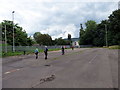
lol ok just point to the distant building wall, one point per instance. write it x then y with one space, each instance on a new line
85 46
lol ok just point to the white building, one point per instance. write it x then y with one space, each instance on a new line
75 42
119 5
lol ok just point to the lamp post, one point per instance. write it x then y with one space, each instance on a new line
13 31
106 35
5 40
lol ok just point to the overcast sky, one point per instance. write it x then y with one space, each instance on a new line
57 18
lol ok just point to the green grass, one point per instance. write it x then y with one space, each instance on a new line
3 54
0 44
56 49
4 44
11 54
114 47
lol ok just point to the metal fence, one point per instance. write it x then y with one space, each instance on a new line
85 46
28 48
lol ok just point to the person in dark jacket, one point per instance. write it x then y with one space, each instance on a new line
45 51
63 50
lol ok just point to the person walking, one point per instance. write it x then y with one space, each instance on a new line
45 51
36 53
72 47
63 50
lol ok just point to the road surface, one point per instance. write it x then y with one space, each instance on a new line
78 68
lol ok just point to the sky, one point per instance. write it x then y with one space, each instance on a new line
58 18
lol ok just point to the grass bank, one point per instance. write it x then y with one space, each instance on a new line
22 53
114 47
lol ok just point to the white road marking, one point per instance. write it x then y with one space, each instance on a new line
6 72
93 58
11 71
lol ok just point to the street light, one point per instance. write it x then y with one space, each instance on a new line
106 35
5 40
13 31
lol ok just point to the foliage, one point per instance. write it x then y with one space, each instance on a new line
0 32
87 35
114 28
45 39
36 34
42 39
69 37
20 35
100 34
61 41
95 34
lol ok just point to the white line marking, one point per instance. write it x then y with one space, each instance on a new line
6 72
93 58
12 71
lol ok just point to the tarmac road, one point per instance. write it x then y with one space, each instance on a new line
78 68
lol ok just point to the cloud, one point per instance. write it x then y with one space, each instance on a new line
57 18
62 31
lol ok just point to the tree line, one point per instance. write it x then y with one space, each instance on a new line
97 34
20 36
45 39
94 34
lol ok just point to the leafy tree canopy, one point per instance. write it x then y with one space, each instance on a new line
20 35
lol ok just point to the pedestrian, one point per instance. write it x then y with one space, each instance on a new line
45 51
36 53
63 50
72 47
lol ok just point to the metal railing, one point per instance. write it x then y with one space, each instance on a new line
29 48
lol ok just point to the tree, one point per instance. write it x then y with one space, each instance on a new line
20 35
114 28
61 41
69 39
95 34
36 34
0 31
100 34
30 42
87 35
43 39
82 33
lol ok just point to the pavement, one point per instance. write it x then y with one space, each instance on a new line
78 68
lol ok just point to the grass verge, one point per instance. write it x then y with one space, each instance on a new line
114 47
3 54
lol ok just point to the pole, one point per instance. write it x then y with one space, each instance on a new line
106 35
5 41
13 31
80 29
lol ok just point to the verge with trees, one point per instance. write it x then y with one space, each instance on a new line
96 34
